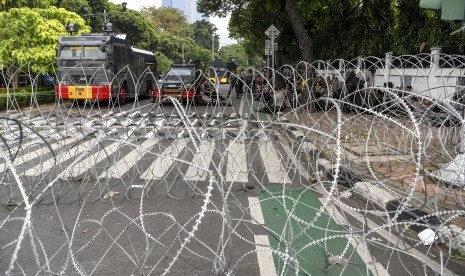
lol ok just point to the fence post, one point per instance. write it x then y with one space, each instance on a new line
341 68
387 66
388 62
329 70
435 52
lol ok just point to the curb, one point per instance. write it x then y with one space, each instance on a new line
451 235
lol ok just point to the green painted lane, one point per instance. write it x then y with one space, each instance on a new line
249 106
307 236
299 230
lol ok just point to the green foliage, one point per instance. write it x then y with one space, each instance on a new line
24 97
37 46
171 47
73 5
340 29
168 20
163 61
97 7
220 7
203 32
234 51
137 28
458 255
352 29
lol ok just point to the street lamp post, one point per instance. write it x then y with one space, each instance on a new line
182 50
213 46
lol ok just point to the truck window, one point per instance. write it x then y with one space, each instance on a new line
71 52
92 52
179 73
86 52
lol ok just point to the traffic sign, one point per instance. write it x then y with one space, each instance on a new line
268 45
272 32
268 51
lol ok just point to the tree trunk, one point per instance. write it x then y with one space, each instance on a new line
304 40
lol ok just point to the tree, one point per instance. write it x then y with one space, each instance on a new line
139 30
38 44
171 47
169 20
418 29
96 7
335 28
10 4
272 10
234 51
304 40
203 32
72 5
163 62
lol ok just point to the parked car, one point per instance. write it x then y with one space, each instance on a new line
181 81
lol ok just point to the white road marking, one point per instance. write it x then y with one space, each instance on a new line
303 172
360 246
92 160
162 164
14 147
63 157
38 152
264 256
401 245
384 233
236 170
272 164
123 165
201 161
256 211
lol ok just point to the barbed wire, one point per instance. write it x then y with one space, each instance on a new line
348 162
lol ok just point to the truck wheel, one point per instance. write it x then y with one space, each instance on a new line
122 95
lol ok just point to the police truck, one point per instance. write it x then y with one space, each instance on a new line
103 67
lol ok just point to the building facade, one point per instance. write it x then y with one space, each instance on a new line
189 7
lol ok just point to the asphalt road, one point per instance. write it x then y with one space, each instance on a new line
145 189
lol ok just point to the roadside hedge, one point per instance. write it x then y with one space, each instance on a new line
22 97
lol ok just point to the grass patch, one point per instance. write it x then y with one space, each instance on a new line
458 255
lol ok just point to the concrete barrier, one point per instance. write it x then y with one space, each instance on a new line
372 194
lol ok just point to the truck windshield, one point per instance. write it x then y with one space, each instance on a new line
176 73
82 52
88 56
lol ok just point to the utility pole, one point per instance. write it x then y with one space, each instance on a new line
272 32
213 46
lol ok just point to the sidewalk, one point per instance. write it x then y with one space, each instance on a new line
374 149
